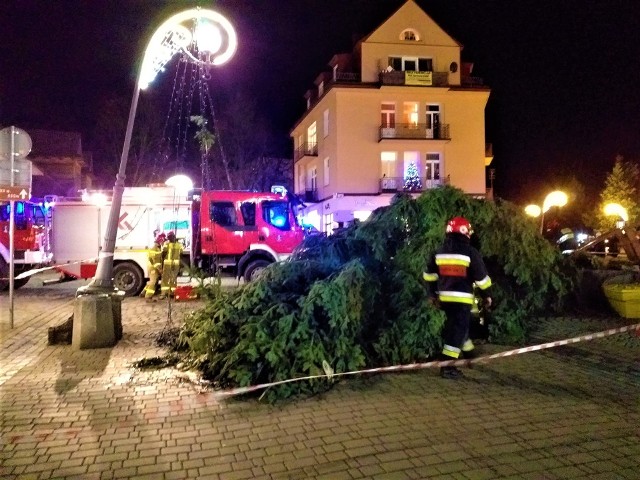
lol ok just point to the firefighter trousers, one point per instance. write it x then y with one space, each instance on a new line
455 334
152 284
170 270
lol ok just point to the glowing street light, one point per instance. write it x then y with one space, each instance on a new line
173 36
533 210
617 210
556 198
206 46
181 183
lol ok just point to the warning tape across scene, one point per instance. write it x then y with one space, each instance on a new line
329 374
34 271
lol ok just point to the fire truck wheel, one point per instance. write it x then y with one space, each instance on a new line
128 278
4 277
254 269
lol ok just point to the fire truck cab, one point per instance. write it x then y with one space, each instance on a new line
243 231
31 247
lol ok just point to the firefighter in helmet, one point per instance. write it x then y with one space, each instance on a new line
451 275
172 251
154 265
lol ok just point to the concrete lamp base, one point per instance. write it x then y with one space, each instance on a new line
97 320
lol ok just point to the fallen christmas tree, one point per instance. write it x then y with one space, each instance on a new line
356 299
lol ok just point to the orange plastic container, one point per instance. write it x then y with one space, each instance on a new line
185 292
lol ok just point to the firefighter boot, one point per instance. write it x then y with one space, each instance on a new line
469 355
451 373
469 352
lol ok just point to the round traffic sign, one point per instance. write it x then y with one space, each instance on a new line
21 143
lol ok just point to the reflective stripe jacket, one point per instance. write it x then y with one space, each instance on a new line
154 255
172 251
454 269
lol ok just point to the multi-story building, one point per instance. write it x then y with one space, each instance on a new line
401 113
63 167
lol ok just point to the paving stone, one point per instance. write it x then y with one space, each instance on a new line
517 417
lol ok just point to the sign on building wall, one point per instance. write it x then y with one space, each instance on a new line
424 79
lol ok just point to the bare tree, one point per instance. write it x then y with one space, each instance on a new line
248 144
145 163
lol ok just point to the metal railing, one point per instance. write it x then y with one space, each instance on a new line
398 77
346 77
306 150
415 131
310 196
400 184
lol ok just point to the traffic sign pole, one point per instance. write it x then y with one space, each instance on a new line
12 227
15 144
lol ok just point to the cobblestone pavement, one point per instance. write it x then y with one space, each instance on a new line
568 412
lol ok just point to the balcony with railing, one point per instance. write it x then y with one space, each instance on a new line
345 77
417 79
401 184
414 131
427 79
310 196
305 150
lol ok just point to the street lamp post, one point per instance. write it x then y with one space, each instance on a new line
203 43
554 199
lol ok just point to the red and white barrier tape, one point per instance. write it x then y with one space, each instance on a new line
33 271
434 364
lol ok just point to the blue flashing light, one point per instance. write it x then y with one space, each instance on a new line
279 221
279 189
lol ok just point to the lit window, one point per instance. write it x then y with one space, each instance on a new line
409 35
388 115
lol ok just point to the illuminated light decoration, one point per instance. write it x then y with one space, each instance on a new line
172 36
208 37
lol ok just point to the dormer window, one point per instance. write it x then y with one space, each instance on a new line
321 89
410 35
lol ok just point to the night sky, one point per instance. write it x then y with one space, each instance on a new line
564 73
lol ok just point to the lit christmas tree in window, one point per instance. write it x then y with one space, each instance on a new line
412 180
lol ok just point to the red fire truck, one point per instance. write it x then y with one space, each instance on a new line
31 249
228 231
243 231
